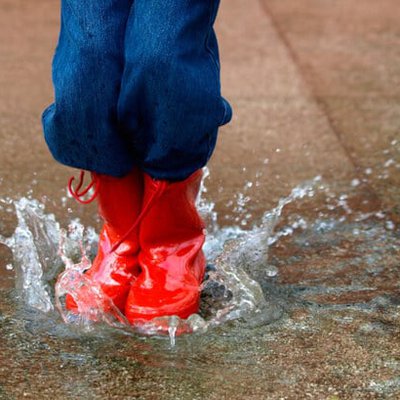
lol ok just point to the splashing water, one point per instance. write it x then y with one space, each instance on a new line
33 245
237 262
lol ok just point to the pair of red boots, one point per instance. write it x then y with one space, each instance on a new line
149 261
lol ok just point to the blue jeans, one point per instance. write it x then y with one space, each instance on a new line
137 83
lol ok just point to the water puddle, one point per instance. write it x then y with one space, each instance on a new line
240 285
309 290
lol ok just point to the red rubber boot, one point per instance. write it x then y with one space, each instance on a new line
171 237
116 264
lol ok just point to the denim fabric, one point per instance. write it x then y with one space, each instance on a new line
136 83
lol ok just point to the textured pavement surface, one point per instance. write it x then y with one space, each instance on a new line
315 88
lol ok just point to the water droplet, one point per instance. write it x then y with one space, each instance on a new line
390 225
173 326
272 271
388 163
380 215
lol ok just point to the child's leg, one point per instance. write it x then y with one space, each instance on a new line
81 127
82 131
170 104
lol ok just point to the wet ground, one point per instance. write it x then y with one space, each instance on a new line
315 86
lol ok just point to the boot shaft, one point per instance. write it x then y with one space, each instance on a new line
173 218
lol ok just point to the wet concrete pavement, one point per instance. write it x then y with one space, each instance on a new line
315 90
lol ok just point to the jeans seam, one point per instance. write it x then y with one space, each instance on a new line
213 7
225 113
210 27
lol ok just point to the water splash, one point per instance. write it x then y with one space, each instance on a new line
238 261
33 245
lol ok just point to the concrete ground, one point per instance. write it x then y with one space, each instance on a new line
315 87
